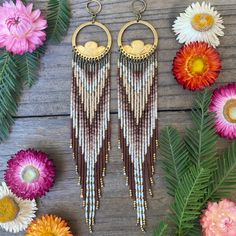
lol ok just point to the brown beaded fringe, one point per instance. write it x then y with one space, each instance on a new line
138 127
90 128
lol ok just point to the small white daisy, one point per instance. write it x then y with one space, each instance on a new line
15 213
199 22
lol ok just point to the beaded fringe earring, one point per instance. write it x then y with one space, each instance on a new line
90 114
137 111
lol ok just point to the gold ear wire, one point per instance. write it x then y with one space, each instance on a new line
92 12
138 12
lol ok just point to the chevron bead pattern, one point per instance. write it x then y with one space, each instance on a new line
138 122
90 127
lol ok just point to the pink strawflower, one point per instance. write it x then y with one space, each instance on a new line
223 103
21 28
30 174
219 219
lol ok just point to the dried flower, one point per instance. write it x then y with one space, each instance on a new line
15 213
48 225
30 174
21 28
200 22
196 66
219 219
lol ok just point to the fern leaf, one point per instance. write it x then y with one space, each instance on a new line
224 178
189 194
161 229
196 230
58 18
40 51
10 88
175 158
201 140
28 66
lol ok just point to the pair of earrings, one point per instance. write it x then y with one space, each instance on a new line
137 112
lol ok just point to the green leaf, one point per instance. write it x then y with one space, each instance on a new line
28 66
58 18
175 160
201 139
196 230
10 89
25 1
40 51
188 198
223 181
161 229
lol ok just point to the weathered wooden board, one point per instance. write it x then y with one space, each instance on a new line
43 122
116 215
51 95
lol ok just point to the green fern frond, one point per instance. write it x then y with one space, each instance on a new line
201 140
175 160
10 88
188 198
58 18
28 66
161 229
195 231
224 178
41 50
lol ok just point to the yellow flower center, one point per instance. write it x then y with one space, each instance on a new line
8 209
30 174
203 22
230 111
197 66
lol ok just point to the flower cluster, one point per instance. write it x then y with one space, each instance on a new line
30 174
197 64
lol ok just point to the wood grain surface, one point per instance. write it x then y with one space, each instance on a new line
42 121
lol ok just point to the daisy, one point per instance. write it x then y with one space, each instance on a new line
30 174
199 22
196 66
223 103
48 225
15 213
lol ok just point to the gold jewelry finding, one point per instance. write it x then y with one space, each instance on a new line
137 111
138 12
137 50
91 50
90 109
94 12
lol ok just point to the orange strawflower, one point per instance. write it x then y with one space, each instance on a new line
48 225
196 66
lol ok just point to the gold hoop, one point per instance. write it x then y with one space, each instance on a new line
138 50
91 50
